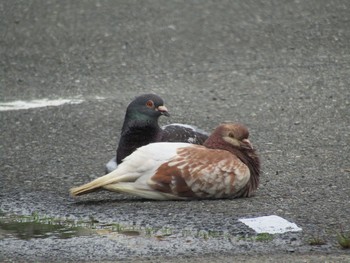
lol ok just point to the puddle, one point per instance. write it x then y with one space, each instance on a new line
28 227
35 226
28 230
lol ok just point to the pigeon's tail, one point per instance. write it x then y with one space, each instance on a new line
113 177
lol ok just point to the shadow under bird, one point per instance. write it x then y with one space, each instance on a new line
226 166
141 127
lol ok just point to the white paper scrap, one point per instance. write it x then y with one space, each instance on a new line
270 224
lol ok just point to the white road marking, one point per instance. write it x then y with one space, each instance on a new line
24 105
270 224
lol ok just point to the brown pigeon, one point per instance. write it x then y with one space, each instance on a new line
141 127
226 166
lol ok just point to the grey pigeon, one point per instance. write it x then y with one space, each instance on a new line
141 127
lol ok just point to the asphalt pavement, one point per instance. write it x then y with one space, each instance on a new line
280 67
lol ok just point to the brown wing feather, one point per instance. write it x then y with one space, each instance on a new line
201 172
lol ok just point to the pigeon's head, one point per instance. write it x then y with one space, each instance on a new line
232 134
147 107
236 135
233 137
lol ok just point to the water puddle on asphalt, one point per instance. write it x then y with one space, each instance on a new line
28 230
28 227
33 226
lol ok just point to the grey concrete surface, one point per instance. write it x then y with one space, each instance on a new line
280 67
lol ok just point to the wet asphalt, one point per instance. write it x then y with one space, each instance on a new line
280 67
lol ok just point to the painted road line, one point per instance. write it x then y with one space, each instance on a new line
24 105
270 224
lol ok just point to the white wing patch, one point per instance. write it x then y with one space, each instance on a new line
147 159
191 140
160 151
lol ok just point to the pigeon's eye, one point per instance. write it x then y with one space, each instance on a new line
150 104
231 135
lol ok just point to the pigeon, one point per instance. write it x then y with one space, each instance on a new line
226 166
141 127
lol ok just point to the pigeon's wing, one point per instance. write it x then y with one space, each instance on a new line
183 133
199 172
140 164
194 172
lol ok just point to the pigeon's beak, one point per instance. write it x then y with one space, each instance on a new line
247 143
163 110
